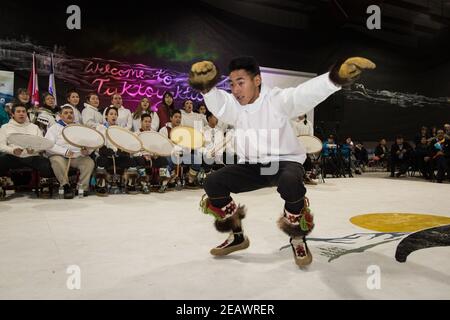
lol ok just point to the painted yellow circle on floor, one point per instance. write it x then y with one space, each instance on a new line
399 222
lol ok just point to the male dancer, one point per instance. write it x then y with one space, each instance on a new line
257 112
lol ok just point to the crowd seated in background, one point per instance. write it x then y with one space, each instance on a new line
430 155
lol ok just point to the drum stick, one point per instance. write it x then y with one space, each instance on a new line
67 169
178 165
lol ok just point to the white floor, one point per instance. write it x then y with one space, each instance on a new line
157 247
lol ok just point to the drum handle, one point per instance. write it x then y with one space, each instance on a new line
178 165
114 164
218 148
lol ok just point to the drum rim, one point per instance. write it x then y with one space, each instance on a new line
31 135
127 131
78 145
189 128
315 138
161 135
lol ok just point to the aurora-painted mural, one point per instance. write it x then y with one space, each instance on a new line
106 77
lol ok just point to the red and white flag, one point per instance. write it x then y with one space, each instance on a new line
51 80
33 88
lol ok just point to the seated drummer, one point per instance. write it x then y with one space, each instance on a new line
122 159
15 157
144 160
168 175
214 140
61 152
147 125
175 121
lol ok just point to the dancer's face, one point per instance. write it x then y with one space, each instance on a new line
49 101
447 127
146 123
24 97
168 100
20 115
94 101
117 100
111 117
244 87
74 99
176 120
188 106
423 140
202 110
67 115
212 121
145 104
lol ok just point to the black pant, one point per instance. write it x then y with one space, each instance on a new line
424 166
122 162
403 165
441 163
41 164
160 162
247 177
308 164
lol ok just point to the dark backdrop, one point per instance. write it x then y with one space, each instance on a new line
174 34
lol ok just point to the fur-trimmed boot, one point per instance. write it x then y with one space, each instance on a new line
192 182
167 180
143 181
131 177
227 219
297 226
5 183
46 188
101 186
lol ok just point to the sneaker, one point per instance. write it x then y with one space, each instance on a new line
302 255
68 192
235 242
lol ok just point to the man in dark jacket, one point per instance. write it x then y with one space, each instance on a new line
382 153
440 155
422 158
401 152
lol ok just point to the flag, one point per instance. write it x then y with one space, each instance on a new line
33 88
51 80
